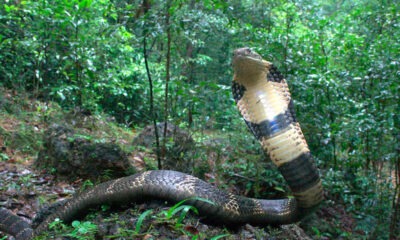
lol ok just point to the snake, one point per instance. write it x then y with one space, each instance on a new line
263 98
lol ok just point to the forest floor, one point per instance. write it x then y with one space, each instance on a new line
25 189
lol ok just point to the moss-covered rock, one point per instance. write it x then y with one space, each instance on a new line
72 155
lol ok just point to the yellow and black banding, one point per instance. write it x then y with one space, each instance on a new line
267 127
263 98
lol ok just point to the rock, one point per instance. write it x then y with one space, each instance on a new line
70 155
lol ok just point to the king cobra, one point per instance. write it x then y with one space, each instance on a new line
262 96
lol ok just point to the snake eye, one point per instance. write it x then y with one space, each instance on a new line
248 51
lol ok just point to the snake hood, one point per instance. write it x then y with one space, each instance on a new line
264 100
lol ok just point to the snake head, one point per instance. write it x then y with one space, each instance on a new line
248 61
246 52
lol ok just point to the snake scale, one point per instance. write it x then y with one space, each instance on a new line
263 98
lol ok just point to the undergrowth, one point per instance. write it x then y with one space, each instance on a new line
147 224
232 160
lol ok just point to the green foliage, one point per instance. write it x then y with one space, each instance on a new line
219 237
141 219
174 218
87 184
340 59
4 157
83 230
170 214
77 230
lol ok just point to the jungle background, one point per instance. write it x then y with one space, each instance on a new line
129 64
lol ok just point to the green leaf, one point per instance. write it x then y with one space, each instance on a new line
84 4
76 224
219 236
184 209
140 220
7 8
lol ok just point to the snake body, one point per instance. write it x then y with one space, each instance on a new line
264 100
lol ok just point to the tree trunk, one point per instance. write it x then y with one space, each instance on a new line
152 112
167 77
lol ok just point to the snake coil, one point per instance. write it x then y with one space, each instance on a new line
263 98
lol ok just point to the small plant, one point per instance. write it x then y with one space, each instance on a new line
140 220
87 184
14 185
26 180
77 230
219 236
53 170
107 174
4 157
83 230
105 207
169 214
57 225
